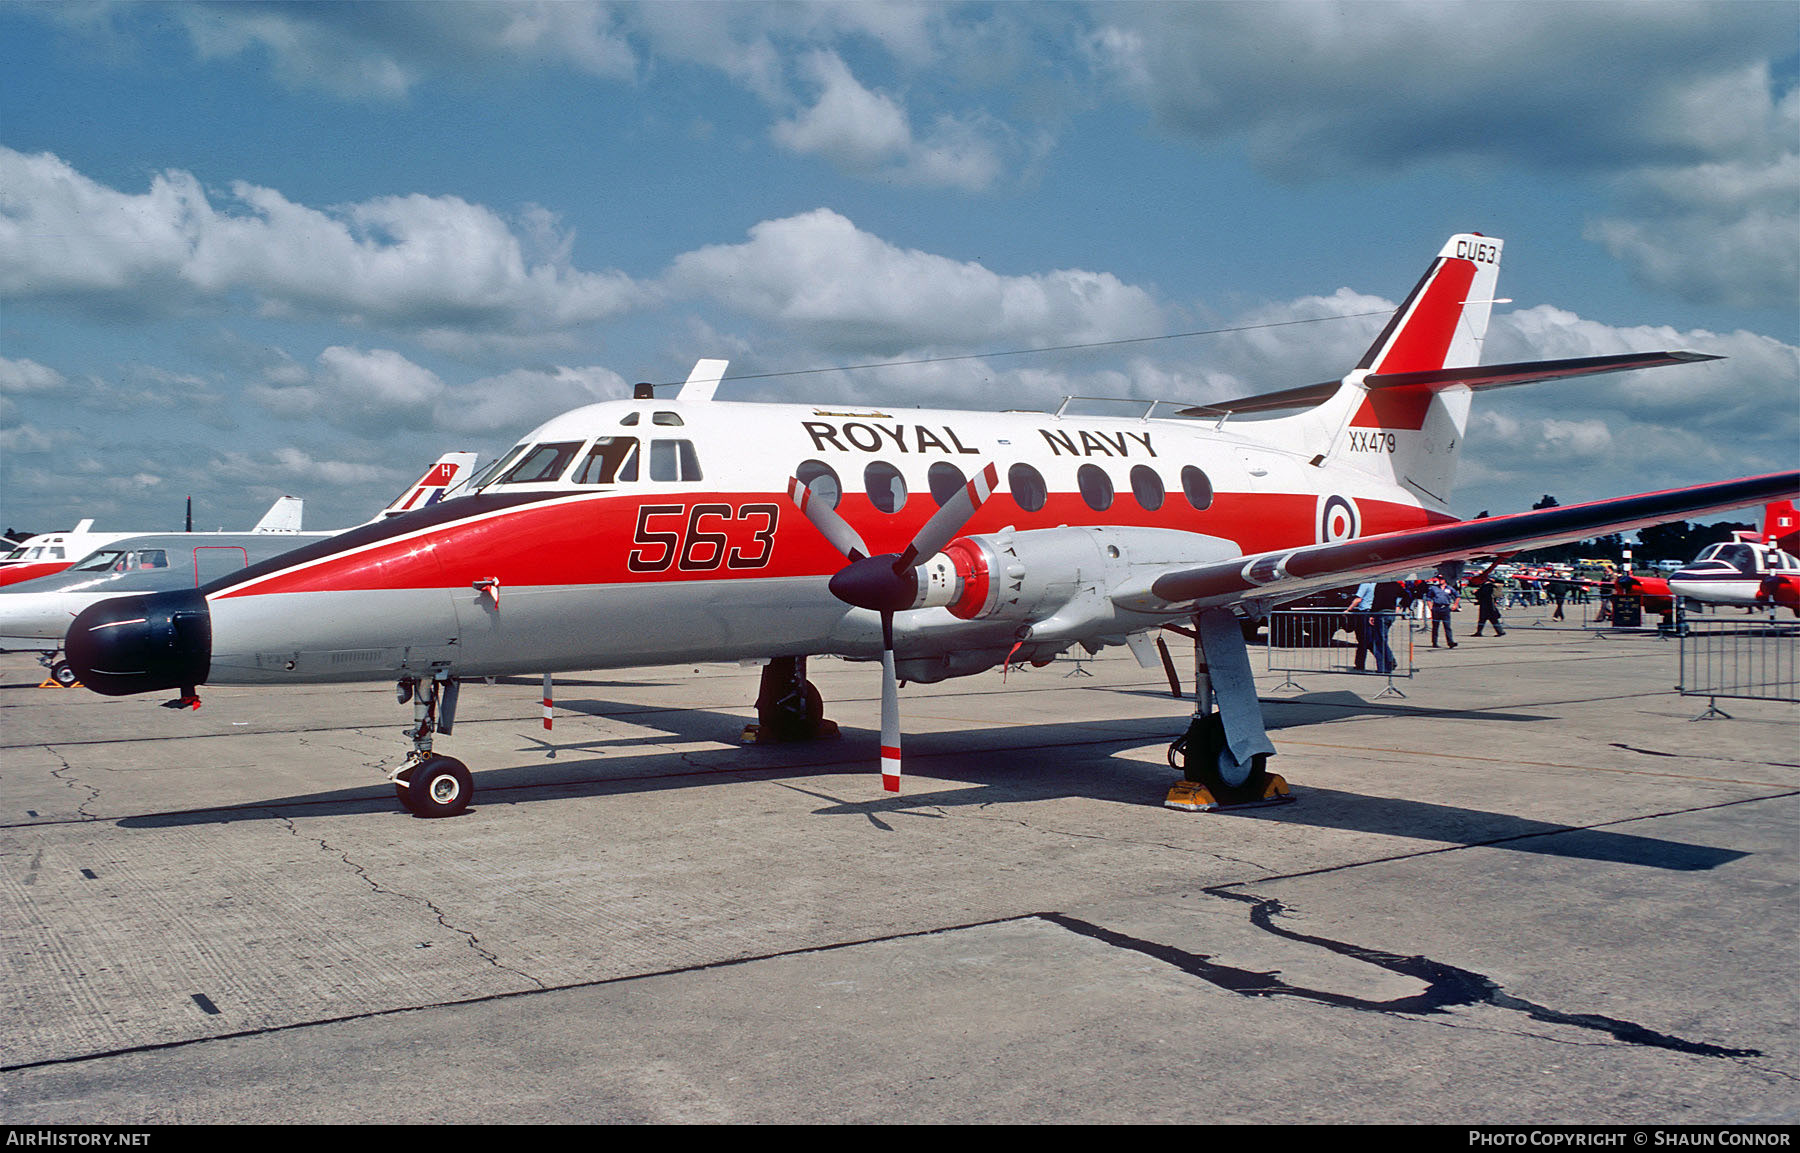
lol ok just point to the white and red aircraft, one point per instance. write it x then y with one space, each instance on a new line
942 542
1753 571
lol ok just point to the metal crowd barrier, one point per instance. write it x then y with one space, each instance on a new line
1743 658
1300 641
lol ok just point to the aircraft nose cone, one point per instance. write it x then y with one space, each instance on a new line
140 644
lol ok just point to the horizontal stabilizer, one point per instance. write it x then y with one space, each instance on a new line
1288 573
1479 377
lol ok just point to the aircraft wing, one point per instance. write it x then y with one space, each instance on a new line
1288 573
1477 377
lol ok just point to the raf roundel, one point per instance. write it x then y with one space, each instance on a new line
1338 519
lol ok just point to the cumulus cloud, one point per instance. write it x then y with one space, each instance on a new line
1672 106
402 262
870 134
845 289
28 376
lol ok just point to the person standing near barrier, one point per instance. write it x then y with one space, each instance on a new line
1383 600
1442 601
1559 592
1359 621
1489 612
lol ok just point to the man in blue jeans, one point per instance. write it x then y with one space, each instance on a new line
1373 610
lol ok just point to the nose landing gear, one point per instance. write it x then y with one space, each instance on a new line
428 784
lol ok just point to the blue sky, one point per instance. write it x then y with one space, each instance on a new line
249 249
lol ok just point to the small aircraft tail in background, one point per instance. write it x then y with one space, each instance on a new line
283 516
450 470
1781 526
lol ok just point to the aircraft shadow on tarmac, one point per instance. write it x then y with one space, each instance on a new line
1011 764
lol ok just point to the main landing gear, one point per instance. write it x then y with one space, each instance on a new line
427 783
788 706
1224 755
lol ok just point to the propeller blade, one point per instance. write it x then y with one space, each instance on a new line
837 530
949 520
890 709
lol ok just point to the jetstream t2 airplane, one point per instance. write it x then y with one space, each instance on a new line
942 542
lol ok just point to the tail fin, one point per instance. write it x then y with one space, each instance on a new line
1445 319
283 516
1781 526
450 470
1404 431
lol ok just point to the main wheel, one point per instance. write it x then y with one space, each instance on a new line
62 674
438 787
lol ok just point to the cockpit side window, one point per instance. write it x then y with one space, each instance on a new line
667 419
674 460
100 561
1738 557
612 459
543 463
493 470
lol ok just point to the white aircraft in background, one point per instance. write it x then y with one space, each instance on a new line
35 613
52 552
943 543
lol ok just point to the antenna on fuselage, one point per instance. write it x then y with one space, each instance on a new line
643 390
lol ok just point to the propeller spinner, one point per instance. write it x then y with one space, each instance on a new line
890 583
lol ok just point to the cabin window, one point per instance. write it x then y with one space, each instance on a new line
1027 486
946 481
612 459
493 470
674 460
885 486
818 476
152 558
1147 486
1197 488
1096 487
543 463
667 419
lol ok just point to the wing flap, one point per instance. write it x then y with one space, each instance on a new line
1287 573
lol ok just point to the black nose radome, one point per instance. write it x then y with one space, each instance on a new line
140 644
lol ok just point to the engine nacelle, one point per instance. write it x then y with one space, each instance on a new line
1034 575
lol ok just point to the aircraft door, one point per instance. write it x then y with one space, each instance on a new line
212 561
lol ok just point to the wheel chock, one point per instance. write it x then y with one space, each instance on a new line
754 734
1195 797
50 682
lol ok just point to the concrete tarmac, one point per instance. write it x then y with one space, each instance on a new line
1532 890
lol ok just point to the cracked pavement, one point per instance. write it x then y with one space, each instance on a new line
1533 891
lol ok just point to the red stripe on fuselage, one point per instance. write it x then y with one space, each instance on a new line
594 540
30 570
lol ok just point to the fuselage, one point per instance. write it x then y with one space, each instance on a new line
651 531
1741 573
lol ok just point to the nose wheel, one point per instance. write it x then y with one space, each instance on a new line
437 786
429 784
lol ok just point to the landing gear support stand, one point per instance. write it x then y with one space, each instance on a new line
1224 755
